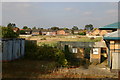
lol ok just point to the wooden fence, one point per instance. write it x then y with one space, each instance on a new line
12 49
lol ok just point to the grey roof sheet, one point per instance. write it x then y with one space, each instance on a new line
113 34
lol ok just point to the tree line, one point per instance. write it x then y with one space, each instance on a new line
7 32
87 27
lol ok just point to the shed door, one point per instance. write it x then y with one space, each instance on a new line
115 60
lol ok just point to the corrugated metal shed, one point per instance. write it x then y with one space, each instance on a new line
12 48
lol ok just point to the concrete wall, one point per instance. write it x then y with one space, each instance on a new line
82 45
12 49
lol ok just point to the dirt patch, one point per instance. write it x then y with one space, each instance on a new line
27 68
47 69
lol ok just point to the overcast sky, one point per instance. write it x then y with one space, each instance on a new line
61 14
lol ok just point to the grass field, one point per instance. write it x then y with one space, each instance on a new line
52 40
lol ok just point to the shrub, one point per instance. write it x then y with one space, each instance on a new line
8 33
82 33
45 52
30 49
22 31
43 39
60 58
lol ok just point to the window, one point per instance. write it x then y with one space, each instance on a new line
95 50
74 50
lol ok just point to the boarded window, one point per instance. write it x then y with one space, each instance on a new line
74 50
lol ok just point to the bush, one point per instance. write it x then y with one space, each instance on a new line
8 33
45 52
30 49
22 31
82 33
43 39
60 58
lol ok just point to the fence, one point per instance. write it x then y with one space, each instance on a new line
12 48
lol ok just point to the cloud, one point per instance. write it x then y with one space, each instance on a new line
111 11
88 13
68 9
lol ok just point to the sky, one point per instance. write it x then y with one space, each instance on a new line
60 14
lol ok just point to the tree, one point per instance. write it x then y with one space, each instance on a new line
25 27
34 28
8 32
22 32
64 28
75 28
11 25
54 28
89 27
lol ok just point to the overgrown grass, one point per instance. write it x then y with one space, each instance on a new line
52 44
81 39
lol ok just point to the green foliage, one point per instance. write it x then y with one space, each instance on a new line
0 31
11 25
25 27
89 27
7 32
44 52
34 28
43 38
30 49
22 32
75 28
60 58
82 33
64 28
54 28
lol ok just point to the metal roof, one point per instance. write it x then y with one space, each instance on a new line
111 26
113 36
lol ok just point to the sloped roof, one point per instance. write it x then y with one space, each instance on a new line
111 26
113 36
